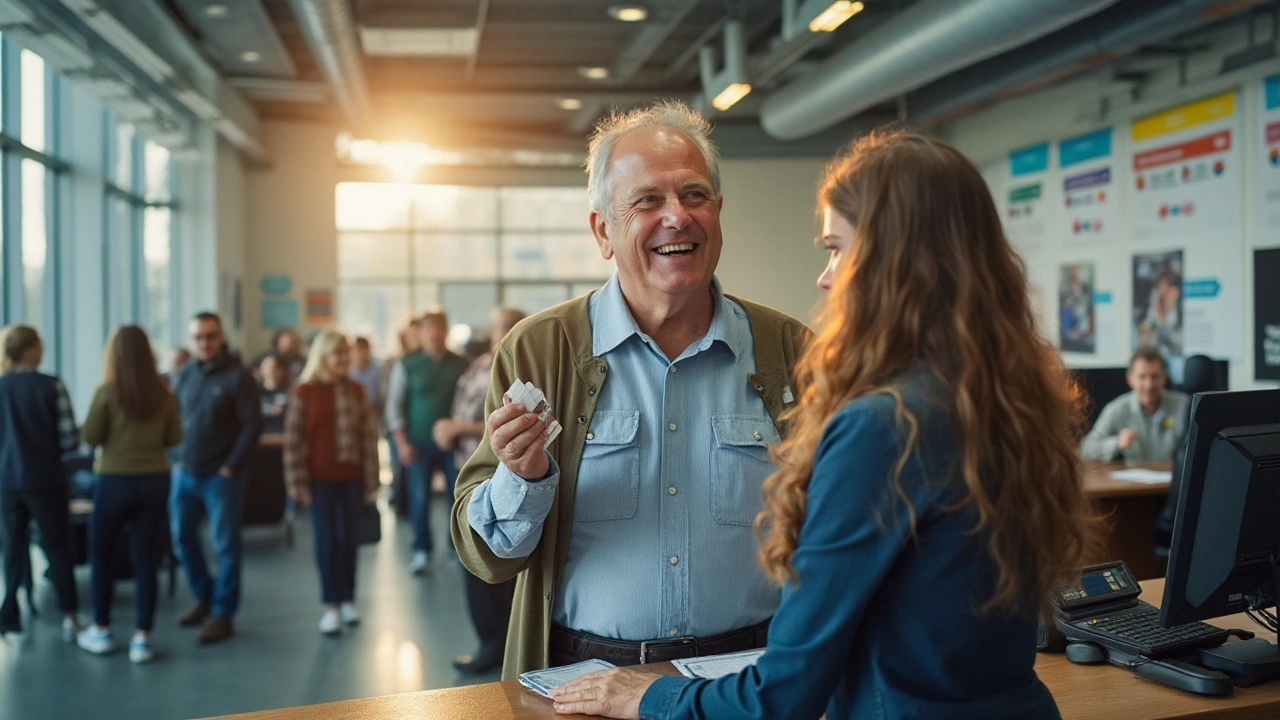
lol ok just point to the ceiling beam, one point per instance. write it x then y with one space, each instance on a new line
482 16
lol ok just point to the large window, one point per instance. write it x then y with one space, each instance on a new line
139 224
403 248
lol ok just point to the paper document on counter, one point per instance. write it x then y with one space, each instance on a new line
544 681
714 666
1143 475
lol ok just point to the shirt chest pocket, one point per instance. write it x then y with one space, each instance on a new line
609 476
739 466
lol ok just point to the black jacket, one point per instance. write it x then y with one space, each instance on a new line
221 416
32 433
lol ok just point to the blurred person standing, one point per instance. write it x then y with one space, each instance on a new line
273 385
368 373
331 464
222 419
178 359
288 347
420 393
133 418
490 605
36 427
408 337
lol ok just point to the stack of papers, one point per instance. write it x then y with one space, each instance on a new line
544 681
714 666
1143 475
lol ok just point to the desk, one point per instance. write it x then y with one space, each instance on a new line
1130 509
1083 692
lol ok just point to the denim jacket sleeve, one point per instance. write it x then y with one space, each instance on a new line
817 622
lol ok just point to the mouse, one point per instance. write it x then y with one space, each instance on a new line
1085 653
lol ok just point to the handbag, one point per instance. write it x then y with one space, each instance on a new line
369 528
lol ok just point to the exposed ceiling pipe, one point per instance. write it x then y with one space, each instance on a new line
330 31
1118 31
923 43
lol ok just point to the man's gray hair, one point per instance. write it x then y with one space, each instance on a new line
667 114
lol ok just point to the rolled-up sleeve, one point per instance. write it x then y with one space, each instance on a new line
508 512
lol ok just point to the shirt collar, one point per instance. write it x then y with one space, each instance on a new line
612 323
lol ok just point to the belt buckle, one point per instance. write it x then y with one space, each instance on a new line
686 640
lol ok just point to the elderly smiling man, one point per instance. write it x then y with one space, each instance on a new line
632 533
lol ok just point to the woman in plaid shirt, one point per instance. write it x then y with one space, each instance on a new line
331 464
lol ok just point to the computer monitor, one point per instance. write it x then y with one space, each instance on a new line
1225 556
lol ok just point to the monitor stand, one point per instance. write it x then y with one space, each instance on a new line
1251 661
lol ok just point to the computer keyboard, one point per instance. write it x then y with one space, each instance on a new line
1138 632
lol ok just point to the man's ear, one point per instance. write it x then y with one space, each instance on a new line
600 228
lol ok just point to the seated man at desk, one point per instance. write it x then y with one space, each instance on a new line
632 536
1144 424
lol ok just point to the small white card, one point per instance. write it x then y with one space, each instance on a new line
714 666
544 681
535 401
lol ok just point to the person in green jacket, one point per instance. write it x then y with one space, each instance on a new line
133 418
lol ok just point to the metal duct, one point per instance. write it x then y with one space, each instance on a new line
331 32
1110 34
925 42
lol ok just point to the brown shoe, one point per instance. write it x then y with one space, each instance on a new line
218 628
194 615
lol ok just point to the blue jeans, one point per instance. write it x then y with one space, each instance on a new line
335 519
418 477
222 500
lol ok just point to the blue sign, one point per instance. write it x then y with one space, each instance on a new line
1084 147
279 314
276 284
1272 85
1208 288
1029 160
1102 298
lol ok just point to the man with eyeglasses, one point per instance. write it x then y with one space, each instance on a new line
222 419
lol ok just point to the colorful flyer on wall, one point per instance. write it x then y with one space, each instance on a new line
1026 209
1090 202
1188 172
1077 321
1157 302
1269 167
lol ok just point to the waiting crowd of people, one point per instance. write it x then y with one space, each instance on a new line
172 453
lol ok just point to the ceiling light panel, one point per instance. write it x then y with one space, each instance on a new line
419 42
594 72
628 13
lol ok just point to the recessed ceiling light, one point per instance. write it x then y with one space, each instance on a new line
251 56
628 13
216 10
594 72
569 103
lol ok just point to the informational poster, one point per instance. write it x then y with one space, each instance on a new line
1090 202
1077 321
1026 208
319 306
1157 302
277 314
1266 313
1269 165
1188 193
1188 171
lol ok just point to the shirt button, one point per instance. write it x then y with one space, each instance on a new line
673 632
591 436
673 559
673 369
671 427
757 435
671 490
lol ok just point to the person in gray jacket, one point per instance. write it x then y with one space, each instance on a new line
1144 424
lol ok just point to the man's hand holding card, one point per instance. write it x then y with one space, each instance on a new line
521 429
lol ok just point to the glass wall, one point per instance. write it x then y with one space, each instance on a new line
403 248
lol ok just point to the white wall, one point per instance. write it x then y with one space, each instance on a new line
229 204
768 221
1079 107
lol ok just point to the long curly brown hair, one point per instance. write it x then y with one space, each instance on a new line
931 278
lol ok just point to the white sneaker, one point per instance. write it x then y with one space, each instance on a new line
330 623
421 563
98 642
70 628
349 614
140 651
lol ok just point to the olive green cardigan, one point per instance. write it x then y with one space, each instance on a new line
553 350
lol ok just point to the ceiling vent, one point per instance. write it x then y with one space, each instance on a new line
420 42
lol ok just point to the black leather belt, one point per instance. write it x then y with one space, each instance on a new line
570 646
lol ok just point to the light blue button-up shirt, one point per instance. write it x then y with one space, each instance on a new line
670 483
